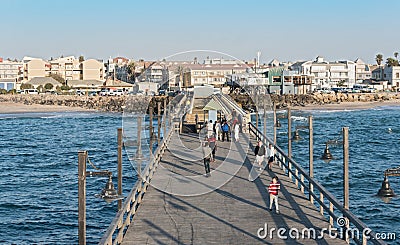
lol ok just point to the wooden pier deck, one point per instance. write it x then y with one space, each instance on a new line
231 214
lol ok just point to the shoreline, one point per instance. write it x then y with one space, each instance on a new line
18 108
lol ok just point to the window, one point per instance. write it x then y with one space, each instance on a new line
397 75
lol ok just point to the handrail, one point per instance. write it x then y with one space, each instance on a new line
300 175
119 223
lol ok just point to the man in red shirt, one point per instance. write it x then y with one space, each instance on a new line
273 190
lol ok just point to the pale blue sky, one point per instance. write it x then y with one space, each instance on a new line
286 30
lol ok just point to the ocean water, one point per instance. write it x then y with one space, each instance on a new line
39 158
374 140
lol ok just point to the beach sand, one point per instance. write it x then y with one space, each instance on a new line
348 106
9 108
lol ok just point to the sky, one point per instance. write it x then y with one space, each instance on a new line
151 30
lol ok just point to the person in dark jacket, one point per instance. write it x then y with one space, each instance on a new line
260 154
225 131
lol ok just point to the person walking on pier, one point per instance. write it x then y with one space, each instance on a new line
225 131
218 130
207 158
236 131
212 143
240 121
260 154
210 128
271 153
273 190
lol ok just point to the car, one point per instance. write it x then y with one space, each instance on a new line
93 93
80 93
118 92
105 92
31 91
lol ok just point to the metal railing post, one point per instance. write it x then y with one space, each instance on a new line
289 117
82 157
274 124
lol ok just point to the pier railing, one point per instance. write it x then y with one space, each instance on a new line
123 219
327 202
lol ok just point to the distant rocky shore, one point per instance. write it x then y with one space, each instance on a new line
283 101
115 104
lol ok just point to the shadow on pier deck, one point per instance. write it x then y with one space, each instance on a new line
231 214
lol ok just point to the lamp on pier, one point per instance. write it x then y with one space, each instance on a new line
109 193
327 153
386 191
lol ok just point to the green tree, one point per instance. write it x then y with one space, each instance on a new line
81 58
392 62
40 88
3 91
180 70
12 91
379 59
57 77
48 86
131 70
341 83
26 86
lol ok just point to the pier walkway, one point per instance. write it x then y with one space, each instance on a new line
232 214
175 203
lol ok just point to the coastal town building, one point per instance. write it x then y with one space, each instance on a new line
66 67
327 74
10 73
363 70
35 68
92 70
392 75
213 74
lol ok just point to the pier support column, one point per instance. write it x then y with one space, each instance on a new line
311 156
346 175
274 124
158 122
289 117
82 158
120 144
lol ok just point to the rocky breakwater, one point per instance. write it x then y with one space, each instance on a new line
322 99
283 101
98 103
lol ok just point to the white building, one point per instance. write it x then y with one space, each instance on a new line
327 74
214 74
392 75
363 71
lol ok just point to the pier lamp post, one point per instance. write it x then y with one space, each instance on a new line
109 193
327 155
386 192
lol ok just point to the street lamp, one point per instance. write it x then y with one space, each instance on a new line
385 191
327 155
109 193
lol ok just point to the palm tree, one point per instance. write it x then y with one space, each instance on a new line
179 70
131 69
379 59
396 54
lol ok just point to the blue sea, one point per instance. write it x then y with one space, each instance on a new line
39 158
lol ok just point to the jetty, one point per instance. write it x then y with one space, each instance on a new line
173 202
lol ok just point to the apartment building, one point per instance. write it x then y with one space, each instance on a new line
66 67
327 74
213 74
92 70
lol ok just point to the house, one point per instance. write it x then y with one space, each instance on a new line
42 81
392 75
327 74
92 70
8 83
363 71
213 74
66 67
35 68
